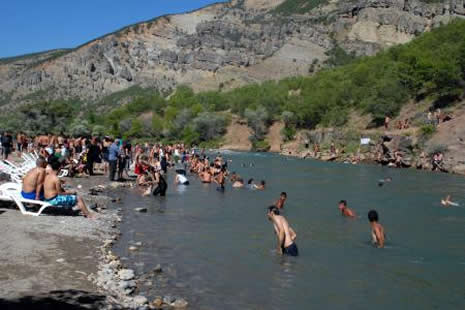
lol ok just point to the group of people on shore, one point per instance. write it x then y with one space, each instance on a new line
150 164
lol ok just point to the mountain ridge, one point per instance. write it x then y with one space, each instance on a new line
225 44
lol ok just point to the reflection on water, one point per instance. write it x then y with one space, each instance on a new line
217 249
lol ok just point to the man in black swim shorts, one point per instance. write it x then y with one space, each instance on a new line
285 235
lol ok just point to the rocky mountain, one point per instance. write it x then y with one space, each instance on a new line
221 46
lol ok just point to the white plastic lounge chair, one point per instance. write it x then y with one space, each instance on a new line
14 174
12 192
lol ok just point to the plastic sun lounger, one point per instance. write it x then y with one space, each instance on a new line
12 192
15 176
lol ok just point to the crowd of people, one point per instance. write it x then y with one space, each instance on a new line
148 164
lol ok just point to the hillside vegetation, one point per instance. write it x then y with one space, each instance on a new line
432 66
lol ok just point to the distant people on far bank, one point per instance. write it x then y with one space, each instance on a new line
387 120
438 162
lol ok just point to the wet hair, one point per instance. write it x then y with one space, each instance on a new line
55 164
240 180
343 202
373 216
263 182
250 181
273 209
40 161
284 194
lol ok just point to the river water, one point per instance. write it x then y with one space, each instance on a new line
217 249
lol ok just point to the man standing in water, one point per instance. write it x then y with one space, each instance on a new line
377 230
280 202
284 233
345 211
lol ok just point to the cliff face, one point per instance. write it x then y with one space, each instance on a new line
222 45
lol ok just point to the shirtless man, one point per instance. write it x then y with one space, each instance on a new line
206 176
56 196
345 211
280 202
33 181
239 183
377 230
284 233
220 179
261 186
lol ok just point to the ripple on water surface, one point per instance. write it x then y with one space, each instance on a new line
217 249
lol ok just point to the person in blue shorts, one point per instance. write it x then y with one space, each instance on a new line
56 196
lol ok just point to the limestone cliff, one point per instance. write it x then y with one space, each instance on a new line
222 45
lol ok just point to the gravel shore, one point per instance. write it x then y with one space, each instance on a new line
50 259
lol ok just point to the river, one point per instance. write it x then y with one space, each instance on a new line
217 249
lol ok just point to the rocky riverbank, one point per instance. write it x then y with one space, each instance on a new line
62 260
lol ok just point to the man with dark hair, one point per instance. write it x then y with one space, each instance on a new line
377 230
33 181
56 196
7 144
345 211
113 154
282 199
284 233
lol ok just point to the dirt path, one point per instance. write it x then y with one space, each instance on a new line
274 137
237 136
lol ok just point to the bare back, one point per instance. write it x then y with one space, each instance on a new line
282 224
33 179
52 186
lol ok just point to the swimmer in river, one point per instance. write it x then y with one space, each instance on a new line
250 184
220 179
261 186
345 211
285 235
181 178
383 181
206 176
377 230
280 202
447 202
233 177
239 183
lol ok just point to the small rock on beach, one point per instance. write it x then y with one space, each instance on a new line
126 274
140 300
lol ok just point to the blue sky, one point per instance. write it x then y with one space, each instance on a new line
28 26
